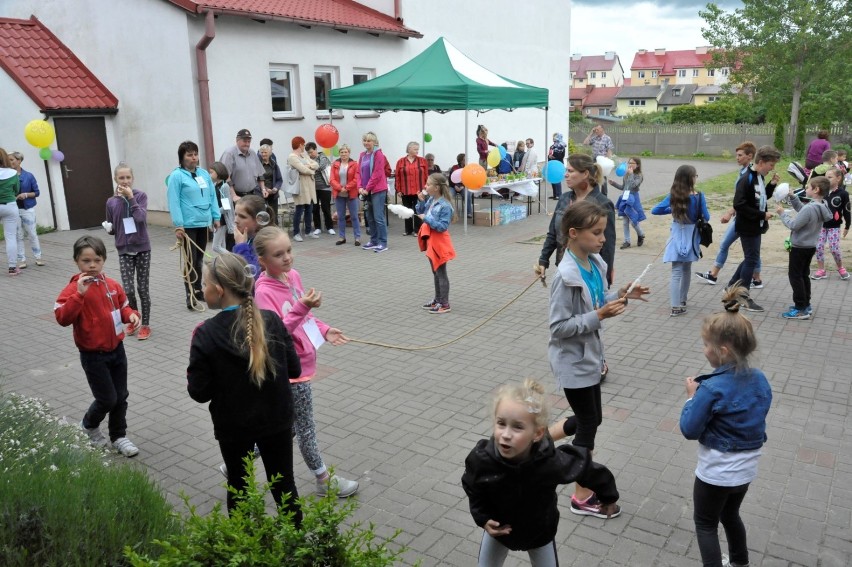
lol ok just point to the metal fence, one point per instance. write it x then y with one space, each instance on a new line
688 139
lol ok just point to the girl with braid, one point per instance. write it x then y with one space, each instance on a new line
279 289
241 361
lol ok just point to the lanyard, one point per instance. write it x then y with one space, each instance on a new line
98 280
592 279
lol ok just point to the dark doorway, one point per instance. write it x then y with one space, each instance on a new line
86 173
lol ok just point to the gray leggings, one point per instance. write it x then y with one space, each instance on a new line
140 263
492 553
304 426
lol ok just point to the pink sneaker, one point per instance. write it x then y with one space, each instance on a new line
819 275
844 275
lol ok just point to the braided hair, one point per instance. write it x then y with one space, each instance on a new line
248 332
731 329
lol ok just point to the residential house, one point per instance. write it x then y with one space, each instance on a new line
676 95
129 80
601 101
636 100
596 70
705 94
687 67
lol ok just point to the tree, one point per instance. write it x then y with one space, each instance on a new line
781 50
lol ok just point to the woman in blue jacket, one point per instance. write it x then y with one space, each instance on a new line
193 207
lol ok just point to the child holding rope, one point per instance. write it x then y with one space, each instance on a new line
240 361
127 217
434 237
511 479
279 289
578 305
97 308
726 412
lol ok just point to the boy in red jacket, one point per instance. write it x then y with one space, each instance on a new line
97 308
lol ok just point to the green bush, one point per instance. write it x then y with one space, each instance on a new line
64 503
250 536
780 134
728 110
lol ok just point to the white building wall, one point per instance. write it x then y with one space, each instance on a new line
144 52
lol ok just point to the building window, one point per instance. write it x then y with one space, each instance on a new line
603 74
284 90
634 102
593 75
695 72
640 74
711 72
603 112
362 75
676 92
681 73
725 72
653 74
325 79
712 98
580 80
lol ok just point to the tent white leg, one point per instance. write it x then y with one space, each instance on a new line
545 163
467 156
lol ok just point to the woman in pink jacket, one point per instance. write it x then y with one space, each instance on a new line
279 289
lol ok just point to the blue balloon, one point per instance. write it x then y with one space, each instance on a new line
621 169
554 171
503 151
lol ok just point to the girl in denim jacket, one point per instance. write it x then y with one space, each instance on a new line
726 411
437 213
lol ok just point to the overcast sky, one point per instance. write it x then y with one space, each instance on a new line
625 27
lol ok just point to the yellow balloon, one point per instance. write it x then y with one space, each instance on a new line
39 133
493 157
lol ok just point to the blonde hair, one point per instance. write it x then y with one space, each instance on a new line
731 329
248 332
121 165
530 394
440 181
370 136
264 236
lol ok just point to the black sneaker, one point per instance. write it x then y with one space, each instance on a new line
752 306
706 277
640 241
756 284
625 245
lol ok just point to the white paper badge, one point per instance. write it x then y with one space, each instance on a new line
129 225
116 321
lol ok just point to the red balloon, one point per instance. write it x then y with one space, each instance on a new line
473 176
326 136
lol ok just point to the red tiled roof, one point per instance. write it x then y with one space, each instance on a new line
338 14
47 70
591 63
601 96
578 93
667 63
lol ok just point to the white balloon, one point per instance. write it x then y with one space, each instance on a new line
606 164
781 192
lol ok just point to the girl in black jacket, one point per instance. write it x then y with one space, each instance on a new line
241 361
511 479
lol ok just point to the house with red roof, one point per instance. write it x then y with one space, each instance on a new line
686 67
129 80
594 101
596 70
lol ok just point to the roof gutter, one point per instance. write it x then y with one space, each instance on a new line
203 84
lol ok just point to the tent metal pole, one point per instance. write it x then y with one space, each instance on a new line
423 130
467 159
545 163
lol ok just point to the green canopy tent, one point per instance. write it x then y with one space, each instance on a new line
440 79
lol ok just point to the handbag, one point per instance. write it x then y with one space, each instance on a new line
292 186
704 228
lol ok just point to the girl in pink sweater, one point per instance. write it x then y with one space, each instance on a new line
279 289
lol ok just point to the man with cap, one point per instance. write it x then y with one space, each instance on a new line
244 167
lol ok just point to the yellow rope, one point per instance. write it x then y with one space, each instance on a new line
187 270
460 337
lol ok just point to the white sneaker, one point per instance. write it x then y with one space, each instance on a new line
317 232
298 238
224 470
331 231
345 488
125 446
95 436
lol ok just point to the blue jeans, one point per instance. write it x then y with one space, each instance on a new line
557 189
27 227
745 271
729 238
679 286
107 376
627 222
376 218
340 205
307 210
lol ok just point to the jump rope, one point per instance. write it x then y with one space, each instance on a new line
190 276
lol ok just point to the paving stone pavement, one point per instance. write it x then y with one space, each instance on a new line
402 422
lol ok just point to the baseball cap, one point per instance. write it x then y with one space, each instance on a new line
243 134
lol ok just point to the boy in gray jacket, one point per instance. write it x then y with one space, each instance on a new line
805 227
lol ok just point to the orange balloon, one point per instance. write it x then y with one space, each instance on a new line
473 176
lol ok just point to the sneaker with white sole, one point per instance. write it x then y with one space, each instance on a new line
125 446
819 275
96 438
844 275
224 470
370 246
380 248
345 487
316 232
298 238
707 277
756 284
796 314
331 231
591 507
753 307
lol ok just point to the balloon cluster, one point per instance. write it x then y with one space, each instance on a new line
40 134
